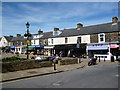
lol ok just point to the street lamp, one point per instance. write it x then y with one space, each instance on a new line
27 34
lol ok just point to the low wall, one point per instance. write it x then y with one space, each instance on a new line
67 61
23 65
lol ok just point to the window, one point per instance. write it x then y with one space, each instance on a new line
79 39
21 43
101 37
66 40
52 41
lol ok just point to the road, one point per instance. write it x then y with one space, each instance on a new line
89 77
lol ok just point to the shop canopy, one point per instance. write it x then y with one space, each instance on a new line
12 47
98 47
30 47
114 46
39 46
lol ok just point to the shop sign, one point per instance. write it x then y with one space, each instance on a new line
114 46
98 47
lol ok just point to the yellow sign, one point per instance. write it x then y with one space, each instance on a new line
27 41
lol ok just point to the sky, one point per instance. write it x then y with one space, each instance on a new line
49 15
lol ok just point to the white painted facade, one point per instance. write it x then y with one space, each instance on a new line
4 42
71 40
35 42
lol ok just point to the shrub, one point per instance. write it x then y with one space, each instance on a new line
9 59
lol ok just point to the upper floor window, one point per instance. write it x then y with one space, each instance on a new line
101 37
79 40
52 41
66 40
21 43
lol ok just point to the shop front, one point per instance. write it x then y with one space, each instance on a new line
103 51
97 49
48 50
39 50
115 49
71 50
12 49
31 49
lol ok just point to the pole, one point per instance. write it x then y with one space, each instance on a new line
99 58
27 42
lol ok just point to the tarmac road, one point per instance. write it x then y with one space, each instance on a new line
103 76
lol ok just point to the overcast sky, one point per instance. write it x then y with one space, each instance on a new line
47 15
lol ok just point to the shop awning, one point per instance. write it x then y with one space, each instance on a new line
39 46
100 47
12 47
31 47
48 47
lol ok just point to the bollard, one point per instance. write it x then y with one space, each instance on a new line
99 58
54 65
104 59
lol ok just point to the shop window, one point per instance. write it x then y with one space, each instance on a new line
66 40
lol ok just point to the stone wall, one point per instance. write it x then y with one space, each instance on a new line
112 36
23 65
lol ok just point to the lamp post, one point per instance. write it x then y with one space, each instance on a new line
27 35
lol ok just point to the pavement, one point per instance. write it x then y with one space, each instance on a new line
10 76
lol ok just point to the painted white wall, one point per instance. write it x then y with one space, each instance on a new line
4 42
71 40
36 42
32 42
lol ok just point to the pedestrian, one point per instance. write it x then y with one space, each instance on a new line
52 58
56 59
61 53
38 58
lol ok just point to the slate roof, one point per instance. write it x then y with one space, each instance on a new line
47 35
21 38
94 29
8 38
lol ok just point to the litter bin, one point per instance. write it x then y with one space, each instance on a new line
112 58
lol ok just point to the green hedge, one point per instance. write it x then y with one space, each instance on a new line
9 59
67 61
23 65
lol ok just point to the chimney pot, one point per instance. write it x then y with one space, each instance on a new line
56 29
114 20
79 25
39 31
18 35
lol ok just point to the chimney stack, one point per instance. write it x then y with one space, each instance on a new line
18 35
11 35
79 25
39 31
56 29
114 20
